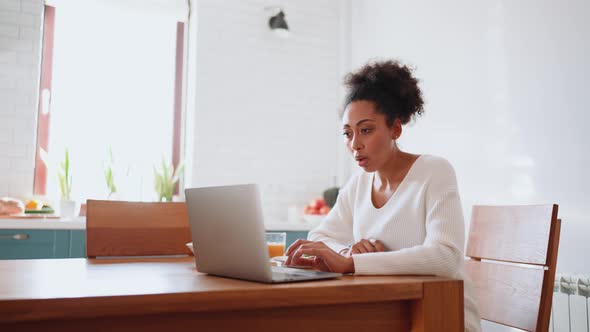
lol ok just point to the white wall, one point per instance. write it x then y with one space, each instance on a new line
506 85
20 45
264 109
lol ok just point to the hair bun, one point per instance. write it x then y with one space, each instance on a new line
391 86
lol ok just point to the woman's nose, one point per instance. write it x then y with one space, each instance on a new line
355 144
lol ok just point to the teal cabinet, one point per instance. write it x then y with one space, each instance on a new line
37 243
63 243
292 236
77 247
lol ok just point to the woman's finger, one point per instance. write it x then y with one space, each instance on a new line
315 252
296 259
324 258
367 245
302 261
294 246
306 259
379 246
360 248
305 248
301 244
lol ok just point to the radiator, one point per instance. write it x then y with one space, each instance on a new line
570 303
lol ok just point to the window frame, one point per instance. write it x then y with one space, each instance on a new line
43 119
40 179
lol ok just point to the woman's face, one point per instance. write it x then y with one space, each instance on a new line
367 135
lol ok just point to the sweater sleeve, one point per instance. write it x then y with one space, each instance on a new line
441 253
335 230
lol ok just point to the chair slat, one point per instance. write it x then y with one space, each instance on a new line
507 294
517 234
117 228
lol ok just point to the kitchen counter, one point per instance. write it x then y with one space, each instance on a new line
80 223
43 223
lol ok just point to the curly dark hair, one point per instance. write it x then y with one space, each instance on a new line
391 86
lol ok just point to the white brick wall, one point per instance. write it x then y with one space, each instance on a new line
20 39
266 108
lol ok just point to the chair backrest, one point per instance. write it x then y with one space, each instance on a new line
517 295
118 228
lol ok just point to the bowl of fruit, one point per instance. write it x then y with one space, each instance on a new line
315 211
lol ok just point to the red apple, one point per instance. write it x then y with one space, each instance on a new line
308 209
317 203
324 209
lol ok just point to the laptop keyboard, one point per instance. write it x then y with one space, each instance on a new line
285 272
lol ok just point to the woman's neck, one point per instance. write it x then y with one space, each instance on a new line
394 171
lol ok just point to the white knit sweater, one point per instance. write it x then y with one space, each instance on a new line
421 227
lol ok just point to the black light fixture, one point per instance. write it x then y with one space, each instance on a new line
278 24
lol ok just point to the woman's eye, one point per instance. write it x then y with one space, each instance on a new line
365 130
346 134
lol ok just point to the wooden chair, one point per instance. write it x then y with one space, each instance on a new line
117 228
517 295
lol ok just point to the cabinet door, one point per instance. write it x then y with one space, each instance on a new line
77 244
28 243
293 236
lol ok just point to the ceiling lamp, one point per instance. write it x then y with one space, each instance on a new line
278 24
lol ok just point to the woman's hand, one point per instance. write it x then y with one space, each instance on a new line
365 246
322 257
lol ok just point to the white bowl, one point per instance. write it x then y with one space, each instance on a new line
313 219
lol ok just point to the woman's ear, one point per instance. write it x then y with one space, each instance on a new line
396 129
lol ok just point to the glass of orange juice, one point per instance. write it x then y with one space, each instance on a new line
276 243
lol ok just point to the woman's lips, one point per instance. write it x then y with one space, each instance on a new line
362 161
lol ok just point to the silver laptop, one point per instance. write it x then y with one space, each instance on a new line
229 236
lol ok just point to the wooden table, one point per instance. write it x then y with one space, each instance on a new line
170 295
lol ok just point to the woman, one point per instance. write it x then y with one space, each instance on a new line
403 214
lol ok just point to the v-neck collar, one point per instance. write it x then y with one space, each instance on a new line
391 198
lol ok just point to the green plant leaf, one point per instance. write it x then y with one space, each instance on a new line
165 180
67 164
109 174
65 178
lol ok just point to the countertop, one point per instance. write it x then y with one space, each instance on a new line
80 224
42 223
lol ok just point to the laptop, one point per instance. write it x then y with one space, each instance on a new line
228 235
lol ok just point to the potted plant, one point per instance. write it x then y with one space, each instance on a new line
165 180
67 205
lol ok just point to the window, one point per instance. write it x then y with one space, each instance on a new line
111 81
